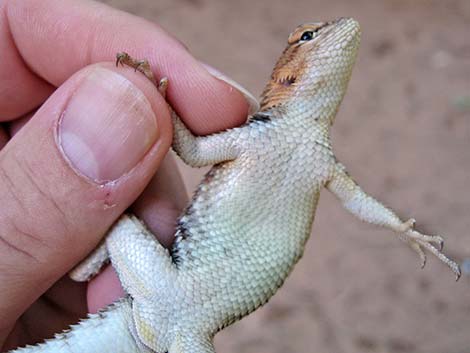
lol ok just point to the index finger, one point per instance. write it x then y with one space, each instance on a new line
45 42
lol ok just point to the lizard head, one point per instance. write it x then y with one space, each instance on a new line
314 69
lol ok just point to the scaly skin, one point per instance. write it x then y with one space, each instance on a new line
248 222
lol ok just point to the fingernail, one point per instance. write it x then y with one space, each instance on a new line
250 98
107 126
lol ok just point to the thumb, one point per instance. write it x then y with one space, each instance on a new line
67 175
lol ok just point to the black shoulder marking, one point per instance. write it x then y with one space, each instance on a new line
260 117
182 233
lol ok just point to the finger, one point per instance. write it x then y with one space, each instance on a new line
104 289
21 89
63 305
3 137
70 172
16 125
158 206
163 201
206 103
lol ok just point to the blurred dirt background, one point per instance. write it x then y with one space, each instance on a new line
404 133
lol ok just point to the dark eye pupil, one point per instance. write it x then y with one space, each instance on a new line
307 35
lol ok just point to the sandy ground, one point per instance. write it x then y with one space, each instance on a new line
404 133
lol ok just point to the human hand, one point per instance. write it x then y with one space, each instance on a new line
79 142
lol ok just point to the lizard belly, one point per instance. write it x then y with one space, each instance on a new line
237 260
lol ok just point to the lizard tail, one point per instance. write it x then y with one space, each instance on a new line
107 329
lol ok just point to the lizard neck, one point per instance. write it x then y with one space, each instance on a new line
310 121
310 104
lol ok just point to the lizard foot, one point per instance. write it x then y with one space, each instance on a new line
142 66
408 228
418 242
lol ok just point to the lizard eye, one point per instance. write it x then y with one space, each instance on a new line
306 32
308 35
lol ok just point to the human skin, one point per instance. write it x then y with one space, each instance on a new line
80 140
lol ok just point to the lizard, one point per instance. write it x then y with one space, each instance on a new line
247 223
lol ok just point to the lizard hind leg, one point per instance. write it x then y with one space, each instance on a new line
91 265
156 329
143 265
191 343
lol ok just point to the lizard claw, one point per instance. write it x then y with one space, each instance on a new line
142 66
436 239
420 242
121 57
163 86
417 248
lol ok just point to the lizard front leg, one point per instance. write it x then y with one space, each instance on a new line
196 151
200 151
368 209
